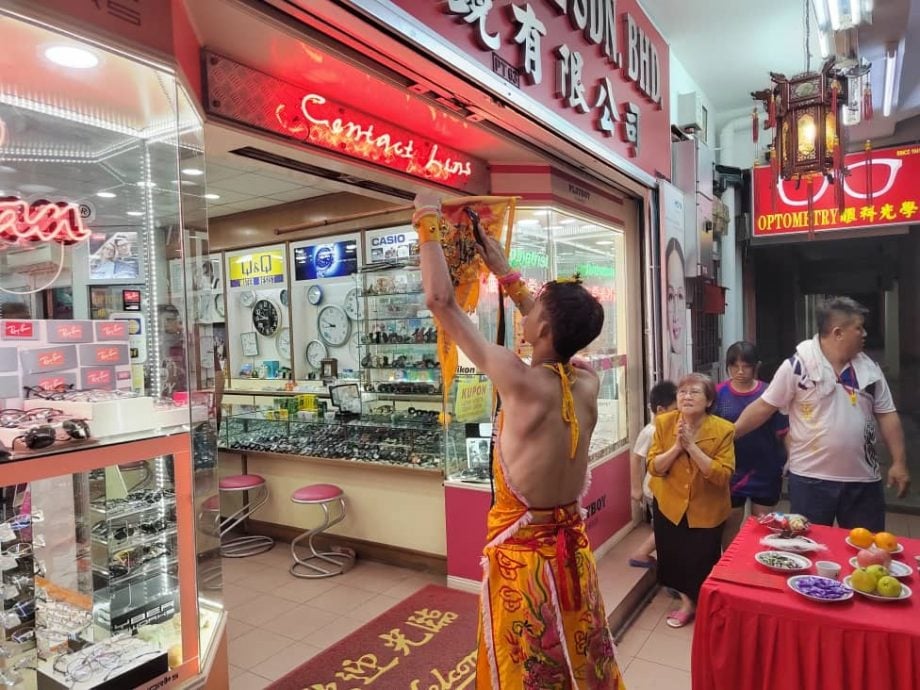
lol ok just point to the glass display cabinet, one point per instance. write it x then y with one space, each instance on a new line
109 568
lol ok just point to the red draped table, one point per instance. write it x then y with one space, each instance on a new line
754 633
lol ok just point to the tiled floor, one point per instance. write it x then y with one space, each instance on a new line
278 622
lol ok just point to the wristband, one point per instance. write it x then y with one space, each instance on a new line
517 291
509 278
428 227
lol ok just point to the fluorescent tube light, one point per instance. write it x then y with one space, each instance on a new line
891 70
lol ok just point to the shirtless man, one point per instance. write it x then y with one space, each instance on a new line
543 622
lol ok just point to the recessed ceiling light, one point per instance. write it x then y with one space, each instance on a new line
36 188
529 222
106 195
568 221
194 172
71 56
148 183
134 213
212 196
604 243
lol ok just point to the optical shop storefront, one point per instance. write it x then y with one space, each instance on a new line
110 572
331 357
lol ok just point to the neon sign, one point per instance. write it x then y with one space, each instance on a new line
356 136
42 221
310 113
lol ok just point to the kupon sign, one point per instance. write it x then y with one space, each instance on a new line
881 189
306 113
598 63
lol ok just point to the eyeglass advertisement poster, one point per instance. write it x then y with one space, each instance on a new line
879 190
115 258
675 325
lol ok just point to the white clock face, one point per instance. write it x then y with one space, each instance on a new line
353 305
333 325
316 353
248 298
284 344
284 297
314 294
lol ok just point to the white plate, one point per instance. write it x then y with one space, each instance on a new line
905 592
793 581
896 569
853 546
802 562
778 545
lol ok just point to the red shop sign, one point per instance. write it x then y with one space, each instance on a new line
307 113
600 64
880 190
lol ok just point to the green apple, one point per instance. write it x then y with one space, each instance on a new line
863 581
889 587
879 571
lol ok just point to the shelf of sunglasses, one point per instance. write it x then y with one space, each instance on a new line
158 564
408 397
370 318
434 467
368 346
374 293
404 367
116 512
136 541
134 593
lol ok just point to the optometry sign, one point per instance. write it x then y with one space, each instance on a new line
880 190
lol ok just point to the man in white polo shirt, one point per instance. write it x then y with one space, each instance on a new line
836 398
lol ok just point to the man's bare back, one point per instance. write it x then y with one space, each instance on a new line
535 440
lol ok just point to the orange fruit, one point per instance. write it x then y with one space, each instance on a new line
861 537
886 541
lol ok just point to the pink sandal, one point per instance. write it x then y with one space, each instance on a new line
679 618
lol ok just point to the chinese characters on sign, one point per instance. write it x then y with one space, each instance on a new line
878 191
597 26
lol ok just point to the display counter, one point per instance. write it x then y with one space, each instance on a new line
365 407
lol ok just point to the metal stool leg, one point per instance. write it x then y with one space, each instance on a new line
247 545
317 564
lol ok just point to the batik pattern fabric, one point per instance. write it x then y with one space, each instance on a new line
544 626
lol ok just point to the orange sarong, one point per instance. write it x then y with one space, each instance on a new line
543 624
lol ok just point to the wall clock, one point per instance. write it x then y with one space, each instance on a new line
314 294
333 325
353 305
266 318
247 298
283 343
250 343
316 353
284 297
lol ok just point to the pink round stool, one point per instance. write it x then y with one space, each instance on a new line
249 544
318 564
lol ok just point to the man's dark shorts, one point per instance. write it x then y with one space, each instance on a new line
853 504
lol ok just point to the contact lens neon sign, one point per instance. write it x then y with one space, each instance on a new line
358 123
360 137
42 221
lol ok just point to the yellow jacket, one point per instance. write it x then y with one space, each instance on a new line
706 499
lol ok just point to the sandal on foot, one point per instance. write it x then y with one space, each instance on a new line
649 562
680 618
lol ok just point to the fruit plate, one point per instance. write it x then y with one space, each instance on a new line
896 569
782 562
905 592
807 585
899 549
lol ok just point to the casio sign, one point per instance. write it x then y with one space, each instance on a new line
388 239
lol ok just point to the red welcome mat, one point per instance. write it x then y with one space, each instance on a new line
428 640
